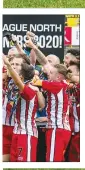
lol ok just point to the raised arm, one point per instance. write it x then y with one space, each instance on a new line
40 56
13 74
32 54
18 46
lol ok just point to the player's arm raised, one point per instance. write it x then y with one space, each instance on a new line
40 56
13 74
17 45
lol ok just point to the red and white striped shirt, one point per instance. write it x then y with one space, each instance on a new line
8 119
75 108
57 104
26 113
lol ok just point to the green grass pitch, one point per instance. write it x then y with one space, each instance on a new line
44 169
44 3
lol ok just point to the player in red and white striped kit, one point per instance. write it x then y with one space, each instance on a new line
7 105
24 142
58 131
74 149
7 127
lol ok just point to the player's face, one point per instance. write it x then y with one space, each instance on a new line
67 59
16 64
73 69
53 73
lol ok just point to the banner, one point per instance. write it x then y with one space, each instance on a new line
71 36
72 20
68 36
48 28
75 36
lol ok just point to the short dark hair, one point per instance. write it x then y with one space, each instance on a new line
27 71
75 63
75 52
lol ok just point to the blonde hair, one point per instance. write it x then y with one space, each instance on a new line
61 69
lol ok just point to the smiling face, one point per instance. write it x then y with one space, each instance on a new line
68 58
74 70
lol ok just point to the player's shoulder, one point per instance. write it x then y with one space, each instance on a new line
65 82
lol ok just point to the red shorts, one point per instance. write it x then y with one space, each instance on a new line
74 150
7 138
24 148
56 143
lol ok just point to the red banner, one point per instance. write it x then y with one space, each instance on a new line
68 36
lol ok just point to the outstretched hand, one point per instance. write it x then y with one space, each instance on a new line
31 40
30 34
14 38
29 43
